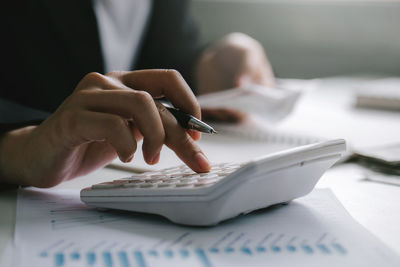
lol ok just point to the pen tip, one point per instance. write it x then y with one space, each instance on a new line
212 131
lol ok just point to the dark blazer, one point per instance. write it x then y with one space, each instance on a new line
49 46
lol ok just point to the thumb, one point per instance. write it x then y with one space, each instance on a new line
243 79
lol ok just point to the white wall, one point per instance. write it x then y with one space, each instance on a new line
312 38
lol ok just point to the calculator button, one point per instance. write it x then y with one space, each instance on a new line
210 176
130 185
153 181
223 174
208 179
187 175
206 182
146 185
170 171
187 184
215 168
121 181
136 181
187 180
165 185
138 176
106 185
173 176
157 176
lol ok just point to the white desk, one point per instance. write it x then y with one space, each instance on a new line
374 205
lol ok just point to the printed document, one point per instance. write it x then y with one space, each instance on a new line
54 228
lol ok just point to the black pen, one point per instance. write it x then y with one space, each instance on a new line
188 121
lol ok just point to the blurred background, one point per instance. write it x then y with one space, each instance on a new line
312 38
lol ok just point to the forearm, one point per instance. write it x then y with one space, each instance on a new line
12 156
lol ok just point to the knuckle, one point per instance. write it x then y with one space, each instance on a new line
161 137
188 145
197 107
182 141
143 97
239 36
94 76
157 138
111 80
116 123
173 74
186 141
114 74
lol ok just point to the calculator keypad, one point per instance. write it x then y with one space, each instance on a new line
180 177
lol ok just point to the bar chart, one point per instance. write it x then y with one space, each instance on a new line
185 250
57 230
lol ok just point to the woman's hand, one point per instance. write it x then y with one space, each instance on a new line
234 61
104 117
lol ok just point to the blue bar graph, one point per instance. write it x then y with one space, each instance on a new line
123 259
203 257
229 249
91 258
213 250
323 248
139 258
307 249
75 255
276 248
153 253
59 259
261 249
291 248
184 253
246 250
107 258
169 253
339 248
261 245
114 254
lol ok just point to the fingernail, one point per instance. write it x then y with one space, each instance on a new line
202 162
194 134
129 159
156 158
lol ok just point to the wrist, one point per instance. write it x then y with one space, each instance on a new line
12 156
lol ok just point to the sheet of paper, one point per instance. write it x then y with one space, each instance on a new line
272 104
55 229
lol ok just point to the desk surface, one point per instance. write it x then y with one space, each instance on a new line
373 205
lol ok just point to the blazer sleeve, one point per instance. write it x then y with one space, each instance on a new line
50 48
172 39
13 116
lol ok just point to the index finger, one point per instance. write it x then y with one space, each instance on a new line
160 83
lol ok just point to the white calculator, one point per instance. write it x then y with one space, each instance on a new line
228 190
